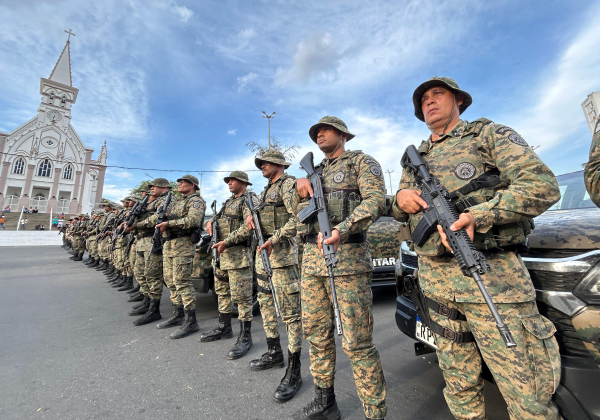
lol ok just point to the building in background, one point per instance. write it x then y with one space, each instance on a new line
44 162
591 109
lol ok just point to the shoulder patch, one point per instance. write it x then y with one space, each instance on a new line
503 130
465 170
273 195
375 170
515 138
339 177
371 161
196 205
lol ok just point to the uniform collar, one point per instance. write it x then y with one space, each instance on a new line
458 131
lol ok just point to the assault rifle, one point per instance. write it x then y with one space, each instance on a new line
264 255
441 211
156 238
214 236
135 213
317 206
107 227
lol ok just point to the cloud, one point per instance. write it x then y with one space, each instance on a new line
242 81
556 114
183 12
115 192
238 45
232 131
124 175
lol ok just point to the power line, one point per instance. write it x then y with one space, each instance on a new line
136 169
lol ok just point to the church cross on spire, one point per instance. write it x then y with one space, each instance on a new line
70 33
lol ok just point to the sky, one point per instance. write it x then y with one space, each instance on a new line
181 85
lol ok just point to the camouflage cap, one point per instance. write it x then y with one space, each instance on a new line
109 204
83 215
145 188
160 182
272 156
190 178
135 198
333 122
439 81
71 218
239 175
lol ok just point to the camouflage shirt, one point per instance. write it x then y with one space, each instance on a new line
187 215
233 231
145 226
528 189
591 173
351 171
284 253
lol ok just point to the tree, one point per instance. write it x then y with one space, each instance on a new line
289 152
138 190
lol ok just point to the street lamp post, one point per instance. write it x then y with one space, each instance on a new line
390 175
268 117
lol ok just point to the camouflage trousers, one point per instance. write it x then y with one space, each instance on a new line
587 325
90 246
527 375
235 285
130 261
178 272
103 249
149 274
355 301
77 244
119 254
287 292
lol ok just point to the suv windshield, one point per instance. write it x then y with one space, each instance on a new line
572 193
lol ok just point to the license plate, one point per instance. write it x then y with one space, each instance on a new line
424 334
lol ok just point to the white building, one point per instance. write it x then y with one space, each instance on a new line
591 109
44 162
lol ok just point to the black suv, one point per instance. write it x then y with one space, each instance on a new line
563 259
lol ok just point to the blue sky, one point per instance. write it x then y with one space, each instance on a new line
181 85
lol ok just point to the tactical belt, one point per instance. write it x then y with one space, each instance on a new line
443 310
181 235
264 290
358 238
346 190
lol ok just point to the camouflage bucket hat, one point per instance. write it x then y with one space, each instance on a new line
109 204
333 122
83 215
239 175
439 81
190 178
272 156
160 182
135 198
145 188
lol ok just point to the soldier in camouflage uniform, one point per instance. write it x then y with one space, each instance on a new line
186 220
89 246
353 186
150 270
123 281
93 244
495 210
278 226
591 173
77 240
234 275
102 238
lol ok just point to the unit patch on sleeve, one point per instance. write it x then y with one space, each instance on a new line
503 130
516 139
196 205
273 195
465 170
339 177
375 170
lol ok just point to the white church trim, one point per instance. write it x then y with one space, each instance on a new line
50 135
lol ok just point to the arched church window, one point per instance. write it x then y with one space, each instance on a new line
45 168
19 167
51 95
63 101
68 172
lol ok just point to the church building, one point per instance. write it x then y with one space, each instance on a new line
44 162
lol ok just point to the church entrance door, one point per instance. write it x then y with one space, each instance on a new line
12 201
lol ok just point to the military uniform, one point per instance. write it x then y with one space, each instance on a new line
354 188
184 221
528 374
149 265
278 225
234 274
591 172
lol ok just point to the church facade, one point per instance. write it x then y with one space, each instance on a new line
45 165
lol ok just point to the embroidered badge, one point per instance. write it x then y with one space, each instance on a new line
371 161
516 139
375 170
196 205
465 170
339 177
273 195
234 206
503 130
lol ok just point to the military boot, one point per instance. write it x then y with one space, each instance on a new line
190 325
273 358
140 308
110 270
78 257
176 319
152 315
120 281
102 266
127 285
89 257
95 264
136 297
222 331
323 407
75 255
292 380
135 289
113 279
90 261
243 343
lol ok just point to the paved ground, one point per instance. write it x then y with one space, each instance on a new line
29 238
69 351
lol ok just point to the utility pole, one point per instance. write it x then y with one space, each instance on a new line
268 117
390 175
201 173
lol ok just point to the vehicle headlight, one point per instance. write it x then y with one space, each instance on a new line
588 288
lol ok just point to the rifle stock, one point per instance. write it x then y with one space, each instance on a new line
214 236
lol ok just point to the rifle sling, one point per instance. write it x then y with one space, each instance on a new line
443 310
457 337
487 179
